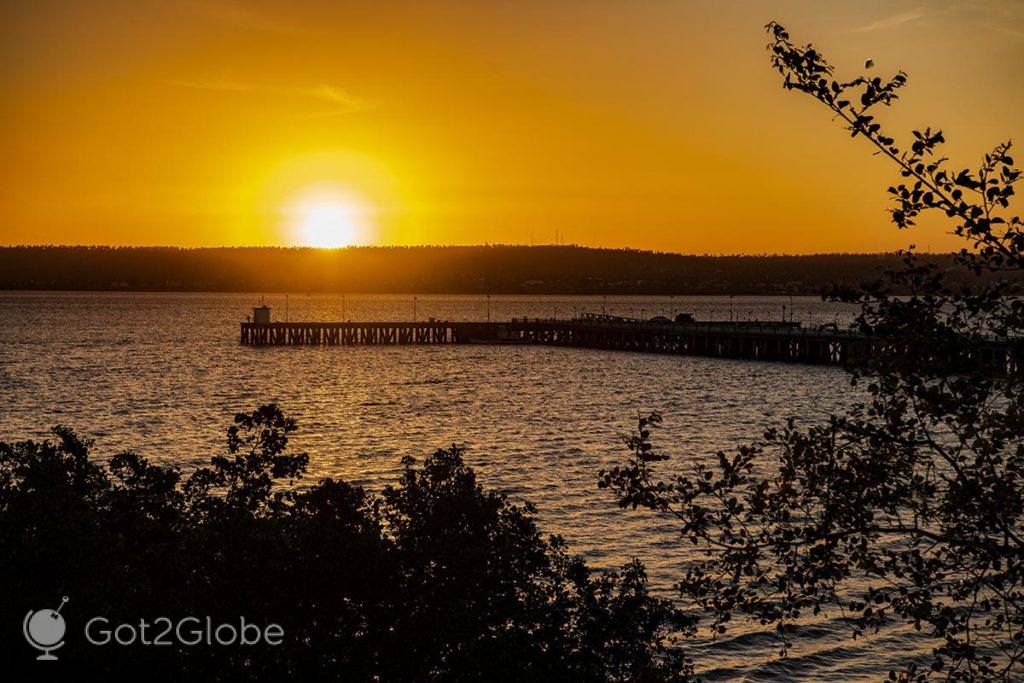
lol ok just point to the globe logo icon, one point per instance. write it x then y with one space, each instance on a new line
44 630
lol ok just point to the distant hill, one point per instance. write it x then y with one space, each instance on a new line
455 270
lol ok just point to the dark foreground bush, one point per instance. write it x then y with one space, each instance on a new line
434 579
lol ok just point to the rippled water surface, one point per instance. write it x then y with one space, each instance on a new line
163 374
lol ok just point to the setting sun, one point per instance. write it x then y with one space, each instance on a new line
327 219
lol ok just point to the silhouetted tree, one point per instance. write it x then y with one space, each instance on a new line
918 491
434 579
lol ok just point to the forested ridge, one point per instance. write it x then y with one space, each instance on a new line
431 269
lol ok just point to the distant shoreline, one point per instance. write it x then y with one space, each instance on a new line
481 270
398 295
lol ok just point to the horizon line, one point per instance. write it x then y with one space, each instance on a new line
485 245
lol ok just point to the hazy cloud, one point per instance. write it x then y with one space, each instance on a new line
1004 18
240 17
343 101
1008 31
893 21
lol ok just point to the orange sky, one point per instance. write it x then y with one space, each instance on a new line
619 122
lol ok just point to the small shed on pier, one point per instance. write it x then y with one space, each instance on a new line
261 315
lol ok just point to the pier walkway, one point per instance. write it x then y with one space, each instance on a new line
760 341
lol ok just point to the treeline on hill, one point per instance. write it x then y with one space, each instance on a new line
454 270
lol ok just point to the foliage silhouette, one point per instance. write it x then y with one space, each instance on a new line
433 579
916 493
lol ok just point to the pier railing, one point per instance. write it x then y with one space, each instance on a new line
758 341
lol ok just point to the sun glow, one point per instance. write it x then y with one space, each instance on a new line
328 219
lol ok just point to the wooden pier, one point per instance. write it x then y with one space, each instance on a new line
780 342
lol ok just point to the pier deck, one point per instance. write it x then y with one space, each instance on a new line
782 342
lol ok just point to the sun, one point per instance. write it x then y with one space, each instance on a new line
327 224
327 218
